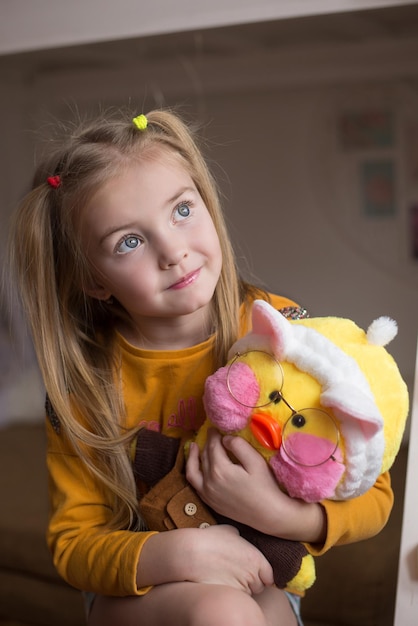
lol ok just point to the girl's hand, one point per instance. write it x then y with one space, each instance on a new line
213 555
247 491
226 558
232 489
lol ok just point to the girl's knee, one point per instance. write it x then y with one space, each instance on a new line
181 604
225 606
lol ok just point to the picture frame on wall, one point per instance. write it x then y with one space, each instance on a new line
378 188
367 129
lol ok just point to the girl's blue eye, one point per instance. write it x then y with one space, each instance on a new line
128 244
183 209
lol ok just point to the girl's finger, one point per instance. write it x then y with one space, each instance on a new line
193 472
243 451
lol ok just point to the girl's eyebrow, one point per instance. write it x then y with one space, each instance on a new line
186 189
114 229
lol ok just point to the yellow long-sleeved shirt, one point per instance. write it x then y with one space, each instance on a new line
163 390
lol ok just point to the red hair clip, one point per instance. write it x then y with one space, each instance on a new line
54 181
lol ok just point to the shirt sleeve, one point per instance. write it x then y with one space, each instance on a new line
353 520
85 552
281 302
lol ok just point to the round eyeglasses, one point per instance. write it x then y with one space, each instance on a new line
309 437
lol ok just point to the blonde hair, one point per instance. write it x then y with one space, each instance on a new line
73 333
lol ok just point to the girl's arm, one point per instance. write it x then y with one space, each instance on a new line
121 562
357 519
248 492
216 555
85 554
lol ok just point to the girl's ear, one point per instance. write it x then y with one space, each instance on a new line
97 291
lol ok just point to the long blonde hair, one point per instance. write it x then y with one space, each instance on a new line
73 333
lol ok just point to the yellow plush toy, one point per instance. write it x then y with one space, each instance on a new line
319 398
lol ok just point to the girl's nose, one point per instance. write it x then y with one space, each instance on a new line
171 253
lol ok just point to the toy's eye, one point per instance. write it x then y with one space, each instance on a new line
275 397
298 421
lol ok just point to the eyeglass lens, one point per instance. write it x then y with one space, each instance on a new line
310 437
239 378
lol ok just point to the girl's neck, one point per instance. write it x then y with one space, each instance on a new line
167 333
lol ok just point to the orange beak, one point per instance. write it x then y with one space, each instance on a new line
266 430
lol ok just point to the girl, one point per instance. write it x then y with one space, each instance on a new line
131 289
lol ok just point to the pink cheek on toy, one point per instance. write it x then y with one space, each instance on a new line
223 410
309 449
307 479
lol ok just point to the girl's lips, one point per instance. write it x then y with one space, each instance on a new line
186 280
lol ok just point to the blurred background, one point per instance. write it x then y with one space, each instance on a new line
309 112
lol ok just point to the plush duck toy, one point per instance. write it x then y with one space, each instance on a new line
320 399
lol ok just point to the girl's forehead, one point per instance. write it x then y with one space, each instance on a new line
151 159
153 175
136 161
161 164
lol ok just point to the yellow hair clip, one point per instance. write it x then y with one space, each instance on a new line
140 122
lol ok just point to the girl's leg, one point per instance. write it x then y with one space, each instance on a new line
276 607
194 604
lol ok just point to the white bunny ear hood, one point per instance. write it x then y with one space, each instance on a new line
344 360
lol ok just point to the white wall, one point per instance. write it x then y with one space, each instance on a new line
29 25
